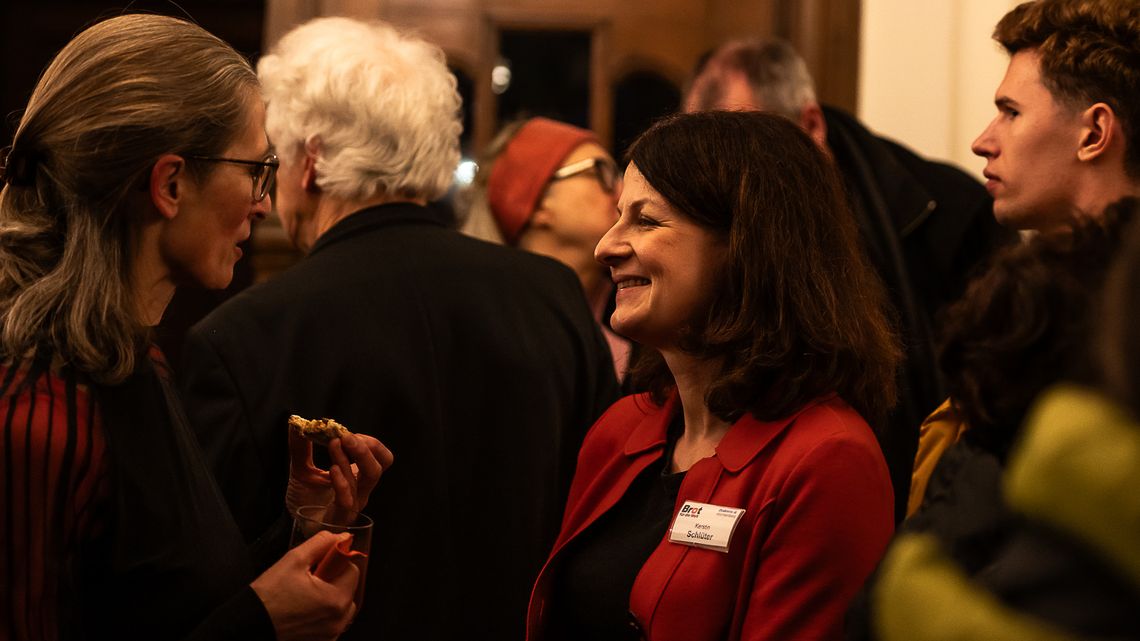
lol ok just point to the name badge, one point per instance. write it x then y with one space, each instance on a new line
704 525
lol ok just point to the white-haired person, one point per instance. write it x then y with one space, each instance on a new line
480 365
138 166
550 188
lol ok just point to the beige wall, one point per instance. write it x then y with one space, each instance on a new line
928 71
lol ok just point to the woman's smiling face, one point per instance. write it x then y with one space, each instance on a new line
664 264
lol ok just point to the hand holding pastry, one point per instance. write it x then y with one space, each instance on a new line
358 460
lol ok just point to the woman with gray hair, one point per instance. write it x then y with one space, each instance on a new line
138 166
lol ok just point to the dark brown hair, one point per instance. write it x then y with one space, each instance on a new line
1120 344
1023 325
797 311
1090 52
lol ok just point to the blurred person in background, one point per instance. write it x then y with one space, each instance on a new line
551 189
1022 327
925 225
1065 564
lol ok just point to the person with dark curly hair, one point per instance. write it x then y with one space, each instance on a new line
1034 537
1066 140
744 495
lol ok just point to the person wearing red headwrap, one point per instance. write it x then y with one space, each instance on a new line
551 189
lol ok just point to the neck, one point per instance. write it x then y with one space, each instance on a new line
1102 187
330 210
152 283
694 377
1100 193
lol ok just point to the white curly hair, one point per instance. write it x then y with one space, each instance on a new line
382 104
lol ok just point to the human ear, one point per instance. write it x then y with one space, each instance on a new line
312 150
1098 132
165 186
812 122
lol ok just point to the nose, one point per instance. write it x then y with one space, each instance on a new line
262 209
984 145
611 248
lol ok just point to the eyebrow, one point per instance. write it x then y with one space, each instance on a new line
637 204
1005 102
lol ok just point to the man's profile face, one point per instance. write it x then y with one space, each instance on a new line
1031 150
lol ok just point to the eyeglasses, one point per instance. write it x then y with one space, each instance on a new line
604 170
262 172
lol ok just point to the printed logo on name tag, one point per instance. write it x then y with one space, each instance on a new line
704 525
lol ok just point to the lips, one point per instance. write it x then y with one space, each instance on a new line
992 181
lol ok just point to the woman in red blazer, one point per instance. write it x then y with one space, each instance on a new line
743 496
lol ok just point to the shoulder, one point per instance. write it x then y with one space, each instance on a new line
830 449
49 415
831 423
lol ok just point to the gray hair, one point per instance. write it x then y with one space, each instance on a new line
778 75
382 105
116 98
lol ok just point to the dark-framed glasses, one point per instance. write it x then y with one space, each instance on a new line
261 172
604 170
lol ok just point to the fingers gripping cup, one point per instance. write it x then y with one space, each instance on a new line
311 519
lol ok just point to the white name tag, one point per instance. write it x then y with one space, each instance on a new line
704 525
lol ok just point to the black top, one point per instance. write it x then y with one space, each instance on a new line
175 565
133 540
590 594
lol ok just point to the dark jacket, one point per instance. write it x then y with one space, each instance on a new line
926 226
479 366
112 527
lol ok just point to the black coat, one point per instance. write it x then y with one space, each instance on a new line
479 366
927 227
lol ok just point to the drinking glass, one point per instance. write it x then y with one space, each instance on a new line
311 519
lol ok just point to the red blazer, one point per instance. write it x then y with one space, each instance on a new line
819 513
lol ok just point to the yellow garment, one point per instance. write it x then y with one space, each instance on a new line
1078 469
939 431
921 595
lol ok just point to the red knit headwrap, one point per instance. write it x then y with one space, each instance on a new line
525 166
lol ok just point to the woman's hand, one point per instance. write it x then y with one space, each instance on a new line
358 460
301 605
